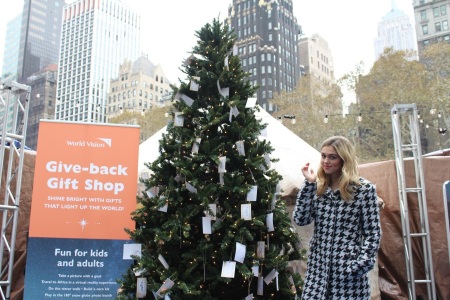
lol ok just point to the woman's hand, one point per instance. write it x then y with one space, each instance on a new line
309 173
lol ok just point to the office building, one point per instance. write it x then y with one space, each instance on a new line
267 40
395 31
316 59
432 22
139 86
11 51
96 37
42 103
39 36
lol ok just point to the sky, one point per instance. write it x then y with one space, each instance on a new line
168 27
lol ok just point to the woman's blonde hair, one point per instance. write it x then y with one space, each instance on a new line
350 173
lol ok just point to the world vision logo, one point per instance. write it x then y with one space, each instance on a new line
92 144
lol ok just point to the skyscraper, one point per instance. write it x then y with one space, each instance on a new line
267 40
11 51
39 36
395 31
96 37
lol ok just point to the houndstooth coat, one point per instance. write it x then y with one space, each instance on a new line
345 242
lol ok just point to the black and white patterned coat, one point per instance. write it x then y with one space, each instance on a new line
345 242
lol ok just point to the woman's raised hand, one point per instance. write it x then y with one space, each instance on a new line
309 173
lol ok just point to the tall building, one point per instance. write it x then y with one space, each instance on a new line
42 104
140 86
316 59
395 31
267 40
39 36
96 37
432 22
11 51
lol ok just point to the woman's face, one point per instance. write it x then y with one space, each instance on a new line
331 161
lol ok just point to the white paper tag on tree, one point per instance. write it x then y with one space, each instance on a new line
141 287
240 252
228 269
251 195
246 212
269 222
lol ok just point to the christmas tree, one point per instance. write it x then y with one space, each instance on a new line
212 224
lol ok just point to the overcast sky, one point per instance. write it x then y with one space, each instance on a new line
168 27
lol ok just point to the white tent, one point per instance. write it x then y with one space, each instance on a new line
290 149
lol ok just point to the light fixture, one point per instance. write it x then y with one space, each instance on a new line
325 120
359 118
442 130
292 117
439 114
394 116
433 111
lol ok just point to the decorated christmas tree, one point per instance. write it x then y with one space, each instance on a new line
211 223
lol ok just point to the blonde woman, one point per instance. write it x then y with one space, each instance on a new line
347 232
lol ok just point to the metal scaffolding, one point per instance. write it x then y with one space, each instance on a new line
405 120
14 105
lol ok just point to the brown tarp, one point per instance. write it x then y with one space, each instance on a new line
391 259
23 223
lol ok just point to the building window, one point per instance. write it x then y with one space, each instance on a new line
443 10
425 29
423 15
436 11
438 26
445 25
263 56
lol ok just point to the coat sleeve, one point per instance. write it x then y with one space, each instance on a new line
304 210
371 231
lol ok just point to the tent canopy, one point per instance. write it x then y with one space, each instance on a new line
291 150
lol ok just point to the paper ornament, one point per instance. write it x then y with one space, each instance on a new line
261 249
163 261
239 256
269 222
228 269
190 188
222 162
255 270
246 212
213 209
196 145
194 84
270 276
260 289
206 224
130 250
165 287
250 103
141 287
240 148
251 195
179 119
